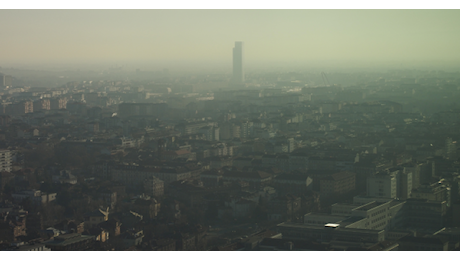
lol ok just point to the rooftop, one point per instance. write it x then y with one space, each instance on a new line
248 175
68 239
369 206
291 177
353 230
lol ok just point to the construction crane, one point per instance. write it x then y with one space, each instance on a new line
323 75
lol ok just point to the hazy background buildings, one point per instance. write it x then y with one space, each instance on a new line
129 130
201 39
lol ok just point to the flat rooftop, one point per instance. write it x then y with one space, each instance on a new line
369 206
339 229
350 220
68 241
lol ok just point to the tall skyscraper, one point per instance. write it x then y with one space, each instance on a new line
238 74
5 80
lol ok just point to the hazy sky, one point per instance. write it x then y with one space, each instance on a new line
85 36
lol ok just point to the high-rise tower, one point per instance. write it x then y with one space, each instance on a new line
238 74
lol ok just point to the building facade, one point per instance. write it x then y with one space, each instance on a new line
382 185
5 161
154 187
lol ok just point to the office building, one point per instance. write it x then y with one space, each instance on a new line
6 80
238 74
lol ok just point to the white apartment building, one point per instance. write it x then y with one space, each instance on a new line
5 161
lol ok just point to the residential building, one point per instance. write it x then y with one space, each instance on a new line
33 247
6 80
284 208
65 176
254 178
58 103
382 185
219 162
154 187
134 176
5 177
435 192
425 214
241 162
99 233
109 198
41 104
126 110
92 127
298 161
36 196
5 161
71 242
20 108
211 178
242 208
146 206
92 219
409 243
194 128
404 183
13 226
132 237
112 225
293 183
337 183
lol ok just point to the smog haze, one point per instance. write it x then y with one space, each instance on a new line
204 37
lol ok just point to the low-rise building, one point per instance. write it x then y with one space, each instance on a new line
24 246
71 242
292 183
211 178
329 233
92 219
284 208
337 183
134 176
154 187
435 191
255 179
65 176
36 196
5 161
409 243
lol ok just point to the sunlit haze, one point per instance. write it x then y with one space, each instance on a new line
206 37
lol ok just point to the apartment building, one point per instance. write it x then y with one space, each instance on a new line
382 185
5 161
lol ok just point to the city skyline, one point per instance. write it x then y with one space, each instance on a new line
201 38
138 130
